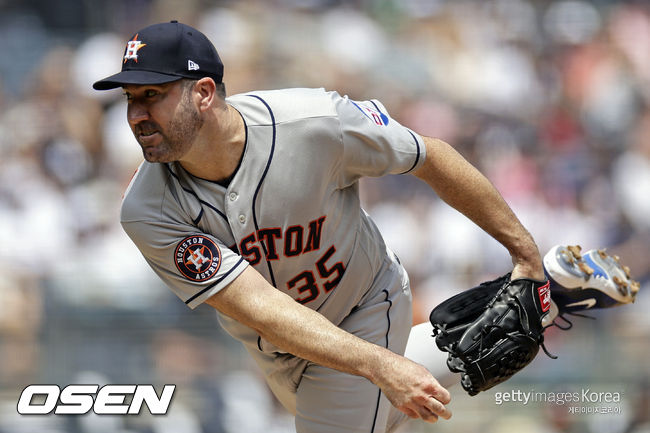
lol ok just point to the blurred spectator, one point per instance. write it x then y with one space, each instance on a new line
549 99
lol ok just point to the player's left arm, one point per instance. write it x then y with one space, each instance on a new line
463 187
306 333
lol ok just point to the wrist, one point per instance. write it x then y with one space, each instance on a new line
527 261
377 366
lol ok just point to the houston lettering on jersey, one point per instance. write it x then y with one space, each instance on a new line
295 240
309 284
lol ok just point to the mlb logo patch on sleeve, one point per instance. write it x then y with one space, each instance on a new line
197 258
376 116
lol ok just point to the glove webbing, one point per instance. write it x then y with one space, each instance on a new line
514 301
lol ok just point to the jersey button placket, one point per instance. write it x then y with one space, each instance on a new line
234 211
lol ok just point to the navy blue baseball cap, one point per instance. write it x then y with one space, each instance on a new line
166 52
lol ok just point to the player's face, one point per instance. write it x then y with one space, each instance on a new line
163 119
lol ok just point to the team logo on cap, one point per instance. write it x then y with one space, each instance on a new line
197 258
132 48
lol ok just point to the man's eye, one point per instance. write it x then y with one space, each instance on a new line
150 93
128 96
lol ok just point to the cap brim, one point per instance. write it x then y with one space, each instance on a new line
134 77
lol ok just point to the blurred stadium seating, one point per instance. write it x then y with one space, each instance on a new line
550 99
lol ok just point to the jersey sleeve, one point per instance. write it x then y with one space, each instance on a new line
374 144
194 265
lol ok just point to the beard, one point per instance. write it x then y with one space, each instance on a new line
176 138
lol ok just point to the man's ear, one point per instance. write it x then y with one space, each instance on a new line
207 92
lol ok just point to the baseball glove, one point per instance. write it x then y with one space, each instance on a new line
492 331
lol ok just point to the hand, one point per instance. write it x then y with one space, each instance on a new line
413 390
529 265
528 270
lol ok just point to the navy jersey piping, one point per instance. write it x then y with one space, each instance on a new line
226 182
189 191
259 187
241 159
198 218
417 156
417 144
196 295
376 107
390 304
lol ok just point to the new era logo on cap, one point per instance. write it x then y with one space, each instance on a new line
173 51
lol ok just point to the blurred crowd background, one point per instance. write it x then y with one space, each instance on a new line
550 99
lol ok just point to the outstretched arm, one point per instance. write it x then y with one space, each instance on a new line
277 318
464 188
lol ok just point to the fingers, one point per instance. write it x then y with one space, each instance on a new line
414 391
429 411
427 416
428 408
437 399
420 413
437 408
440 393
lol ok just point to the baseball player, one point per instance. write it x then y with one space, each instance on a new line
250 204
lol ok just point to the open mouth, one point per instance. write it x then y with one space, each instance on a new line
146 129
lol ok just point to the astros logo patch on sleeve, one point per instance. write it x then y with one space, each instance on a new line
197 258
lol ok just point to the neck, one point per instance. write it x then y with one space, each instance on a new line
219 148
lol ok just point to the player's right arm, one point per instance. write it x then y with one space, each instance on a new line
464 188
292 327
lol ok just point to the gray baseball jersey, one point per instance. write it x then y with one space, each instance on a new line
291 211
